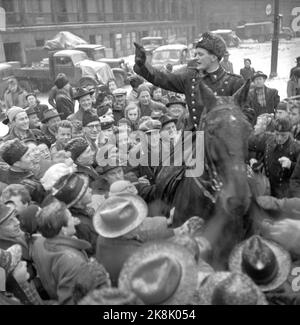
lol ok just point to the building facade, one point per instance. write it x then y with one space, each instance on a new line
115 24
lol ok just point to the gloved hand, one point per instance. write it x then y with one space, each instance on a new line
140 55
285 162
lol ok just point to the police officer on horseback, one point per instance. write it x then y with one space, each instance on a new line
206 66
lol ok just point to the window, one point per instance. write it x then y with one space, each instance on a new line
93 39
35 6
64 60
118 44
40 42
118 11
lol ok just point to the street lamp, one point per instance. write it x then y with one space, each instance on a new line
275 40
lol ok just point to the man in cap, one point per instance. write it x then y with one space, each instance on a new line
247 72
19 126
34 121
119 104
280 152
21 160
14 95
208 53
91 129
226 64
261 98
49 128
282 110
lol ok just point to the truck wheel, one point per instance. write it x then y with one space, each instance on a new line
119 80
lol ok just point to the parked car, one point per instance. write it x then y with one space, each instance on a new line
229 36
175 54
152 43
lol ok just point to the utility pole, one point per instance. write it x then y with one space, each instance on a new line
275 40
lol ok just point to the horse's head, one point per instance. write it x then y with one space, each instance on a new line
226 141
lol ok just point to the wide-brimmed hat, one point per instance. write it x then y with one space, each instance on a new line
118 216
5 212
166 119
49 114
160 273
81 92
226 288
264 261
71 188
258 74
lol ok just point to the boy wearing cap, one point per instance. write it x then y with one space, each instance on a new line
21 160
19 126
280 152
209 52
261 98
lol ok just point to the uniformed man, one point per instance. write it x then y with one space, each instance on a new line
208 53
280 152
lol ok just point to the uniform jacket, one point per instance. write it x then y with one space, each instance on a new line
187 82
40 109
272 101
58 262
279 177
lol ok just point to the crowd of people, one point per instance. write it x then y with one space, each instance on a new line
80 224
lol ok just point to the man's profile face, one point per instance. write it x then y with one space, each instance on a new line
203 58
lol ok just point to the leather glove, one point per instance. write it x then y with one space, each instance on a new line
140 55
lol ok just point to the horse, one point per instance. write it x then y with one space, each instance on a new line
221 196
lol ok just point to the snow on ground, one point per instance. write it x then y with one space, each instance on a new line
260 55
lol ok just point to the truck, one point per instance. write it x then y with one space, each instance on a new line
100 53
75 64
261 31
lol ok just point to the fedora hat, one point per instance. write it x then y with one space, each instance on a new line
258 74
5 212
264 261
118 216
81 92
49 114
70 188
160 273
226 288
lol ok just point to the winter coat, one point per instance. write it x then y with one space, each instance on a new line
293 88
247 73
272 101
113 252
58 261
85 230
187 82
279 177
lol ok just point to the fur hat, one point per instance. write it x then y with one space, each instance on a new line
258 74
264 261
160 273
106 122
13 151
76 146
88 117
213 43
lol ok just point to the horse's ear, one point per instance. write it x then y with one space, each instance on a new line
241 96
208 97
